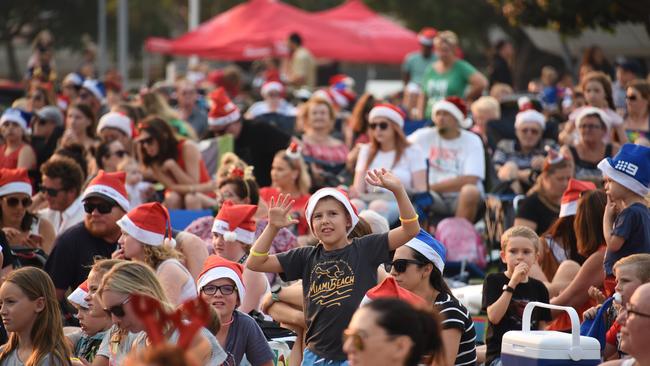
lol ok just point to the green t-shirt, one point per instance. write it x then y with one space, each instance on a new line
452 83
416 65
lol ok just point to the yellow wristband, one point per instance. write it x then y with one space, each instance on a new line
406 221
258 254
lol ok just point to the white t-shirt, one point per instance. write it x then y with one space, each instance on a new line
451 158
411 161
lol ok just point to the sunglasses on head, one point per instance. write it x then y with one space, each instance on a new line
118 310
103 207
15 201
148 141
382 125
400 265
210 290
52 192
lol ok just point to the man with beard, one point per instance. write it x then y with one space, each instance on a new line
105 201
456 160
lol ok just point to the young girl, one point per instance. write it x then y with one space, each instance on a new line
31 316
94 325
222 286
146 237
337 272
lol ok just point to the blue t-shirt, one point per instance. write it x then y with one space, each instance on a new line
633 225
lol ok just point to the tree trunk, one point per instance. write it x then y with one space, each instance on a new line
14 73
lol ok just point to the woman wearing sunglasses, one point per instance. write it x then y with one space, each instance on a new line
388 149
637 120
171 161
515 160
418 266
109 155
147 238
22 228
114 294
221 285
389 331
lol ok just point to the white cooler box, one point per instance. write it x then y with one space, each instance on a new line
549 348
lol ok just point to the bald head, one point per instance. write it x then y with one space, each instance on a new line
635 323
642 297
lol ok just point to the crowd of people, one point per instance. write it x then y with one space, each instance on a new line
324 224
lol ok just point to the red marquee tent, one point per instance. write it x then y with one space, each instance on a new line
259 28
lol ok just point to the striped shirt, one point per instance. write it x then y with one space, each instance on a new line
456 316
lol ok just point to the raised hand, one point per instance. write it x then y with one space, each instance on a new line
384 179
279 211
519 274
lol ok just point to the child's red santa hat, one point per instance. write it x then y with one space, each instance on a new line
216 267
222 110
388 111
78 296
235 222
388 288
109 186
569 205
15 181
148 223
337 195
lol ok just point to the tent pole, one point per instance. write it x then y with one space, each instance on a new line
192 23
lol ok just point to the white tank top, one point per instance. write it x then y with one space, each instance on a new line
188 290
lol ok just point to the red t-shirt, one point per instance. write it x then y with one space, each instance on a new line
203 171
297 211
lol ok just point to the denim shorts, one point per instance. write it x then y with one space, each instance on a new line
309 358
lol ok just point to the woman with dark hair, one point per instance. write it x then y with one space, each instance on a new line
417 266
37 98
172 161
80 127
109 155
15 152
594 58
637 120
357 130
392 332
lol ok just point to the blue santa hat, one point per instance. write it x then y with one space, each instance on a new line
429 247
96 87
16 115
629 168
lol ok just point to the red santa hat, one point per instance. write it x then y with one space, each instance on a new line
528 113
271 86
109 186
15 181
293 151
342 81
553 157
571 195
426 36
78 296
148 223
222 110
389 111
117 121
337 195
388 288
235 222
216 267
456 107
338 98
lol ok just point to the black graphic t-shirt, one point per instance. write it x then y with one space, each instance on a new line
525 292
334 283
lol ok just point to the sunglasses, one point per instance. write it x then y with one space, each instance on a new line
631 98
357 338
147 141
400 265
52 192
210 290
382 125
15 201
118 310
42 122
532 131
119 153
589 127
103 207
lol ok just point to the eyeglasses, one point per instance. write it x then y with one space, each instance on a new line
148 141
42 122
119 153
15 201
382 125
532 131
628 310
103 207
211 290
52 192
631 98
401 265
118 310
589 127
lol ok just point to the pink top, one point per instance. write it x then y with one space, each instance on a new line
333 154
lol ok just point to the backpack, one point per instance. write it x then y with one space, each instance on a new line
462 241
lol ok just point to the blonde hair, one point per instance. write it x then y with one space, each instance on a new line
47 331
314 101
303 182
488 104
520 232
154 255
448 37
227 162
641 264
134 278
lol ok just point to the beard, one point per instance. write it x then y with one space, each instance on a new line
101 229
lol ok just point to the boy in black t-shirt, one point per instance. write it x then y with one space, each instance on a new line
337 272
505 295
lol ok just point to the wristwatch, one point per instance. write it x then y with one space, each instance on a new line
275 292
508 288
